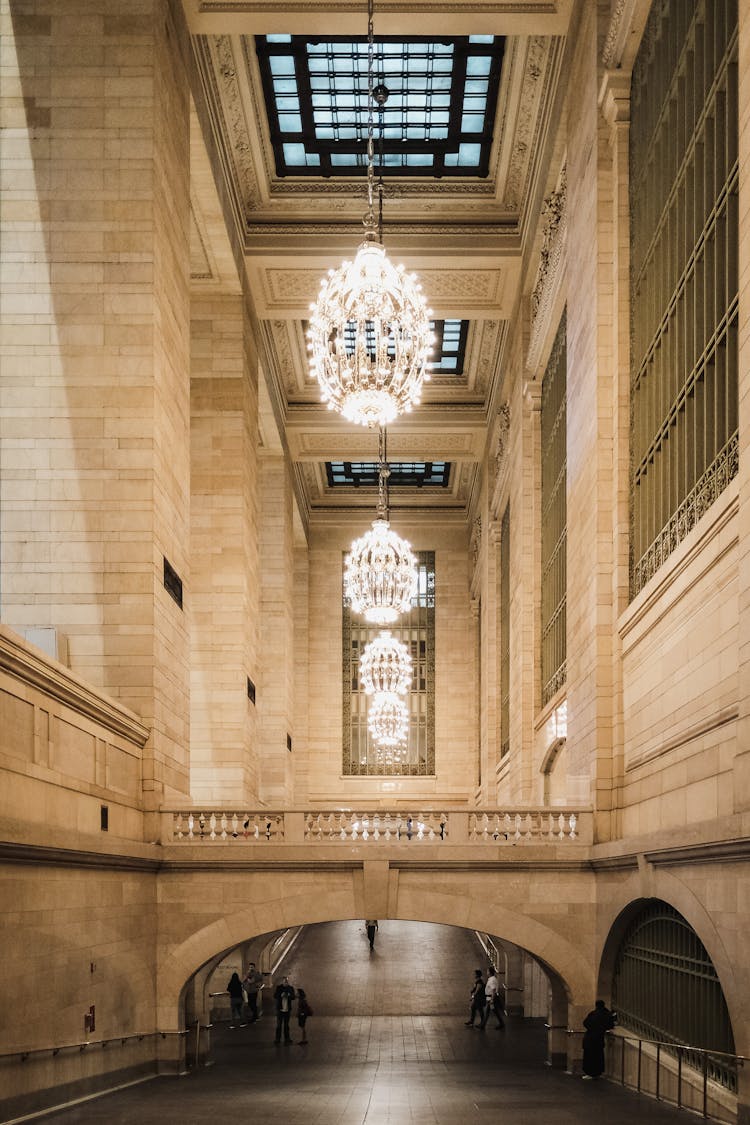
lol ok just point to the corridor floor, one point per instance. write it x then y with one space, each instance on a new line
388 1046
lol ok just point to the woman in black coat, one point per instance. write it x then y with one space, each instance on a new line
597 1023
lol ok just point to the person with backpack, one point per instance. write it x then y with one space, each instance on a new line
304 1011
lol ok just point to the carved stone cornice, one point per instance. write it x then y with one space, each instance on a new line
550 272
475 543
500 462
501 437
620 19
52 679
614 99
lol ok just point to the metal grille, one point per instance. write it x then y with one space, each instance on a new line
505 633
665 987
417 630
554 517
684 274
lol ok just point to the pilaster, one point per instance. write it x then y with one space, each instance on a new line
225 602
276 697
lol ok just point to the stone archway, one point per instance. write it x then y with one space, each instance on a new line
570 970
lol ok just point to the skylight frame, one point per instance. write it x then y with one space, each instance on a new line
432 155
403 474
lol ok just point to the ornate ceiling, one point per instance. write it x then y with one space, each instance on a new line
468 238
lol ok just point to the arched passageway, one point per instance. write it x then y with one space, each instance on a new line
388 1045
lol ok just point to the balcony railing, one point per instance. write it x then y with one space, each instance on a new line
504 827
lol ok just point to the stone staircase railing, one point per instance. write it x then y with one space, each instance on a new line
506 826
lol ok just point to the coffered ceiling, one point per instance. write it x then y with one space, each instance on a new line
468 238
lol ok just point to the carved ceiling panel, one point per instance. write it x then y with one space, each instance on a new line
463 236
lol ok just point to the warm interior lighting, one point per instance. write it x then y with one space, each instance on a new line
380 575
369 335
385 666
388 720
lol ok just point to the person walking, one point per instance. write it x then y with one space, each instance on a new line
597 1023
252 985
234 988
303 1012
283 998
477 999
371 925
493 1002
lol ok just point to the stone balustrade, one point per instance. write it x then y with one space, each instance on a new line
507 826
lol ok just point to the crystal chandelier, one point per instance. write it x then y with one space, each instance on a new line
380 571
388 720
369 334
385 666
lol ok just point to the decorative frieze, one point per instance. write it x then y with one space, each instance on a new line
550 270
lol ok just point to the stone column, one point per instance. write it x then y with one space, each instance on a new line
225 585
742 761
614 99
591 383
276 699
95 257
525 572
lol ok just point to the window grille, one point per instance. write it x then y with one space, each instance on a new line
665 987
505 633
684 274
416 629
554 517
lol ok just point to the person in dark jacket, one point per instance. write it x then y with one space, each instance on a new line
597 1023
234 988
283 997
478 1000
303 1011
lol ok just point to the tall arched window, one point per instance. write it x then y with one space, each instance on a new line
684 206
666 987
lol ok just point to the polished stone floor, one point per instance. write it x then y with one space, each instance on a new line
387 1046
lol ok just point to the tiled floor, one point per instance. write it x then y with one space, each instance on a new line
387 1046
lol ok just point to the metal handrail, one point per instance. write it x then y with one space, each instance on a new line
25 1052
676 1050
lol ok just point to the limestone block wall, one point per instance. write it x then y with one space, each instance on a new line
680 640
456 727
75 939
67 752
95 317
224 763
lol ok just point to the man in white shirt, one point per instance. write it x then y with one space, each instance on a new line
494 1004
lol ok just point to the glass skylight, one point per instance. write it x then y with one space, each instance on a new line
404 474
437 121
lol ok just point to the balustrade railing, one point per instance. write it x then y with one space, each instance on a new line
224 826
531 825
512 826
388 827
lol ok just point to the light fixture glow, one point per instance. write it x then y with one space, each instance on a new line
388 720
369 334
385 666
370 339
380 574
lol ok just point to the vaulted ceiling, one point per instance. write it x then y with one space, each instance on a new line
469 236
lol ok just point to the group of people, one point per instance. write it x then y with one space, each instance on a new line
485 998
245 992
243 996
